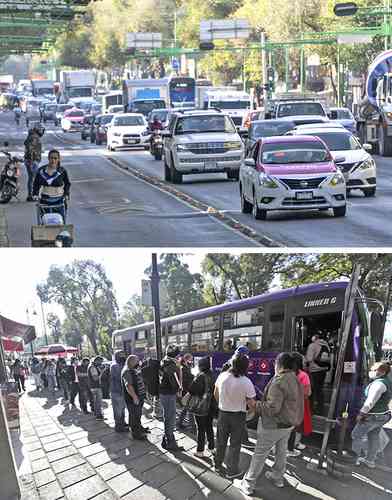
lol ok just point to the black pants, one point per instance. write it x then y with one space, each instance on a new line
74 392
20 382
230 424
204 428
317 380
135 415
84 396
291 443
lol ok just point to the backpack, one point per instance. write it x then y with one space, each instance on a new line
323 358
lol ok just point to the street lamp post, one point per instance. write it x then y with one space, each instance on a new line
28 322
44 322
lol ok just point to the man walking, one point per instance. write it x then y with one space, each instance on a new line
36 372
134 394
84 387
281 409
169 386
116 392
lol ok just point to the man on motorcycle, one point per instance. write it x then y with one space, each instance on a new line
156 124
52 186
32 158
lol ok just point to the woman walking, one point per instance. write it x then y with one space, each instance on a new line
51 376
203 386
18 374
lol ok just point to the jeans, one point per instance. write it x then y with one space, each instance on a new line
20 382
97 398
74 391
204 428
230 424
317 380
135 415
65 386
371 427
31 169
37 380
51 383
266 439
118 404
84 395
168 403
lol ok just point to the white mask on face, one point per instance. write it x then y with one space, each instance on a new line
372 374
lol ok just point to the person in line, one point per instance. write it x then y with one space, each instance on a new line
94 372
203 385
116 391
281 409
317 358
18 375
134 394
32 158
51 376
374 414
64 379
169 387
52 185
294 444
85 393
36 368
73 380
233 392
44 365
186 380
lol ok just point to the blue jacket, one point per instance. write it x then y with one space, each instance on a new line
115 378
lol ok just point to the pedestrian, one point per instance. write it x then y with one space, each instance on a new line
294 443
281 409
203 386
94 372
17 374
233 392
44 365
36 368
73 380
169 387
32 158
85 393
64 379
318 361
374 414
116 391
186 381
51 376
134 394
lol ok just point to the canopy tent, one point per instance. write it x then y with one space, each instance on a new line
10 345
56 350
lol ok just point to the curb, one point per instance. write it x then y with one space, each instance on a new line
4 241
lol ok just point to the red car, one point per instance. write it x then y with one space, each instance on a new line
72 120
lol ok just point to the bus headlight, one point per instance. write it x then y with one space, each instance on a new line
336 180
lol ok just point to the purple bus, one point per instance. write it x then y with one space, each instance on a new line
268 324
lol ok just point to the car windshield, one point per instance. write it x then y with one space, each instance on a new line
145 107
63 107
341 114
75 113
160 115
269 129
300 108
105 119
114 109
206 123
132 121
230 104
338 141
294 152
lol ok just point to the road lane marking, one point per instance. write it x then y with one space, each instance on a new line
79 181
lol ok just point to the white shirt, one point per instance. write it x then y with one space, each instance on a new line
233 392
376 390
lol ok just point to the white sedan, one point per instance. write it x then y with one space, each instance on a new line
359 168
128 130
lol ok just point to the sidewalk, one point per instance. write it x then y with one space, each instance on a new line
3 229
62 453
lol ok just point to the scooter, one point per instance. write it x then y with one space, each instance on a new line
9 177
156 145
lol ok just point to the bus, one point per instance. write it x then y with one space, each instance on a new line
268 324
175 91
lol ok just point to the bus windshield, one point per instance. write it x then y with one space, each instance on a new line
230 104
182 91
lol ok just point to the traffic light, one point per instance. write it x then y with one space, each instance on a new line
206 46
345 9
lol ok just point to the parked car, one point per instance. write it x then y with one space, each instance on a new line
48 112
87 123
266 128
115 108
72 120
291 173
60 110
359 168
99 128
344 117
128 130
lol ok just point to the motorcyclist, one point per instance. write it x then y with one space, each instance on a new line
52 185
32 158
156 124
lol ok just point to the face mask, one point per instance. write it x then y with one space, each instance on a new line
372 374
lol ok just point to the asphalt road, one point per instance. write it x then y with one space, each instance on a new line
111 207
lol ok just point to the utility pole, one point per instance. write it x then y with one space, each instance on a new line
28 322
155 303
263 65
44 322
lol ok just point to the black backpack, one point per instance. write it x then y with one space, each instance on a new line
323 358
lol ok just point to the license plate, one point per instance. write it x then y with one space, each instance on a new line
210 165
130 141
304 195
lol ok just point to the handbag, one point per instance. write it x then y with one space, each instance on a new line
198 405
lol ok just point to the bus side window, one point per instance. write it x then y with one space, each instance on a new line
275 339
205 332
243 328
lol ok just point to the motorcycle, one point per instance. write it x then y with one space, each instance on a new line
9 178
156 145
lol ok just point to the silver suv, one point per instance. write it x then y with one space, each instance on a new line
199 142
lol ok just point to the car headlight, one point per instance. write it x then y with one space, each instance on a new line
268 182
369 163
117 134
233 145
182 147
389 115
336 180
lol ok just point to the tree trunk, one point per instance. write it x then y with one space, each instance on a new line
93 342
335 91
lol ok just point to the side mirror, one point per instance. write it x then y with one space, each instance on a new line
250 162
339 159
367 147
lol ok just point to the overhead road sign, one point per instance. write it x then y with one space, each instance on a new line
143 40
211 30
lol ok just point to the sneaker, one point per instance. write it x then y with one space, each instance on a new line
234 475
279 483
246 490
300 446
364 461
293 453
249 445
199 454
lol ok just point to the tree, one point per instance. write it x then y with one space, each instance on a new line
135 312
71 332
86 295
54 325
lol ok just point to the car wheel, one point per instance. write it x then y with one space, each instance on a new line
339 211
246 207
175 175
369 192
167 172
233 174
258 213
